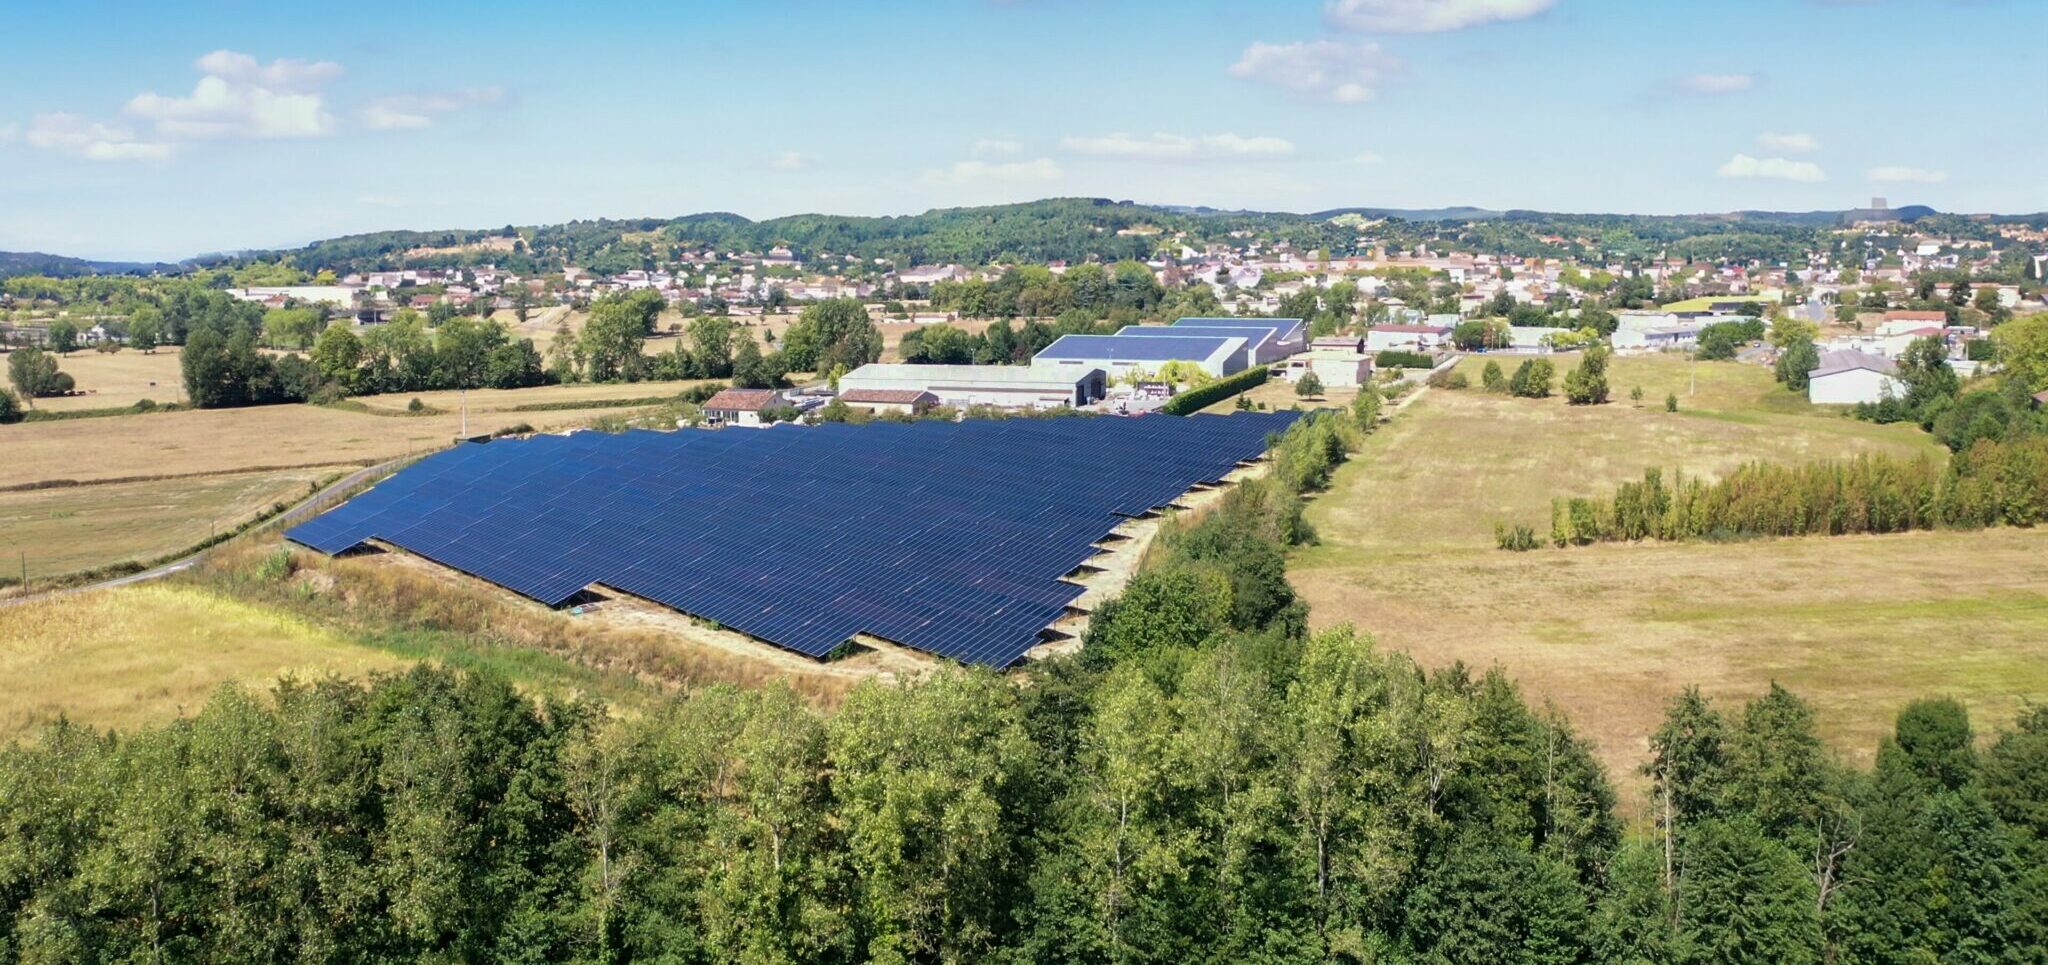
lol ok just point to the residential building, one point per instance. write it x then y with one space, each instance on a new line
1334 367
741 407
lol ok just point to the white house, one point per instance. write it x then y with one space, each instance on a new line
1684 335
1335 368
741 407
1851 377
1409 338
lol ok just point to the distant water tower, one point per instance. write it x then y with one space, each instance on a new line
1879 204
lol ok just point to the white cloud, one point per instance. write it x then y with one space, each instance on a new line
241 97
1905 175
1176 146
1319 70
977 171
1788 143
9 133
996 147
1367 157
408 112
789 161
1717 83
1426 16
92 140
1744 166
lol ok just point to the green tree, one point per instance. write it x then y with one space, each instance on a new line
829 332
145 328
10 410
1747 900
1490 901
611 340
338 355
1586 383
1491 378
711 339
33 373
1796 362
1308 386
63 337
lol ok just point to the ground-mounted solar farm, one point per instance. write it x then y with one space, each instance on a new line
956 539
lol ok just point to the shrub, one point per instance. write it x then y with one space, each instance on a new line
10 410
1309 386
1514 539
1448 379
1492 379
1586 384
415 406
1671 402
1532 379
1397 359
1197 399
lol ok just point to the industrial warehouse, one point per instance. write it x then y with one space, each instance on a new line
1077 370
952 538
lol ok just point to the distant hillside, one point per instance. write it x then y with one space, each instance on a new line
14 263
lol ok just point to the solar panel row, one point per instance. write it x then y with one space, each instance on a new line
951 538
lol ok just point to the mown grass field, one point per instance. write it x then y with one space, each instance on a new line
119 658
65 530
1857 625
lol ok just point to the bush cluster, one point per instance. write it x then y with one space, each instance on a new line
1990 483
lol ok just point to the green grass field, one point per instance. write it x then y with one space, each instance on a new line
1857 625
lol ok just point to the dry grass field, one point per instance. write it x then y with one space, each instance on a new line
1856 625
232 440
118 658
115 379
65 530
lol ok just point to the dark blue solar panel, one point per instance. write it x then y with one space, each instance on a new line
1117 349
1283 329
951 538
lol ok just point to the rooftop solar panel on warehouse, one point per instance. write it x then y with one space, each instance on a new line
1118 349
1283 329
951 538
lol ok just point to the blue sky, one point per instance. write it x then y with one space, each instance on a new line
155 130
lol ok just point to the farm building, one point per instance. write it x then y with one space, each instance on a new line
1335 368
1119 355
1851 377
1406 338
1007 386
741 407
896 401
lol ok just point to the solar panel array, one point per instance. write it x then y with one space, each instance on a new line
951 538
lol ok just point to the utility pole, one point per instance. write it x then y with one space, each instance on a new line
465 412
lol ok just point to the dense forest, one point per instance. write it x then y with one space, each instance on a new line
1205 781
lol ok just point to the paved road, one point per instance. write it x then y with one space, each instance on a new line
307 507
